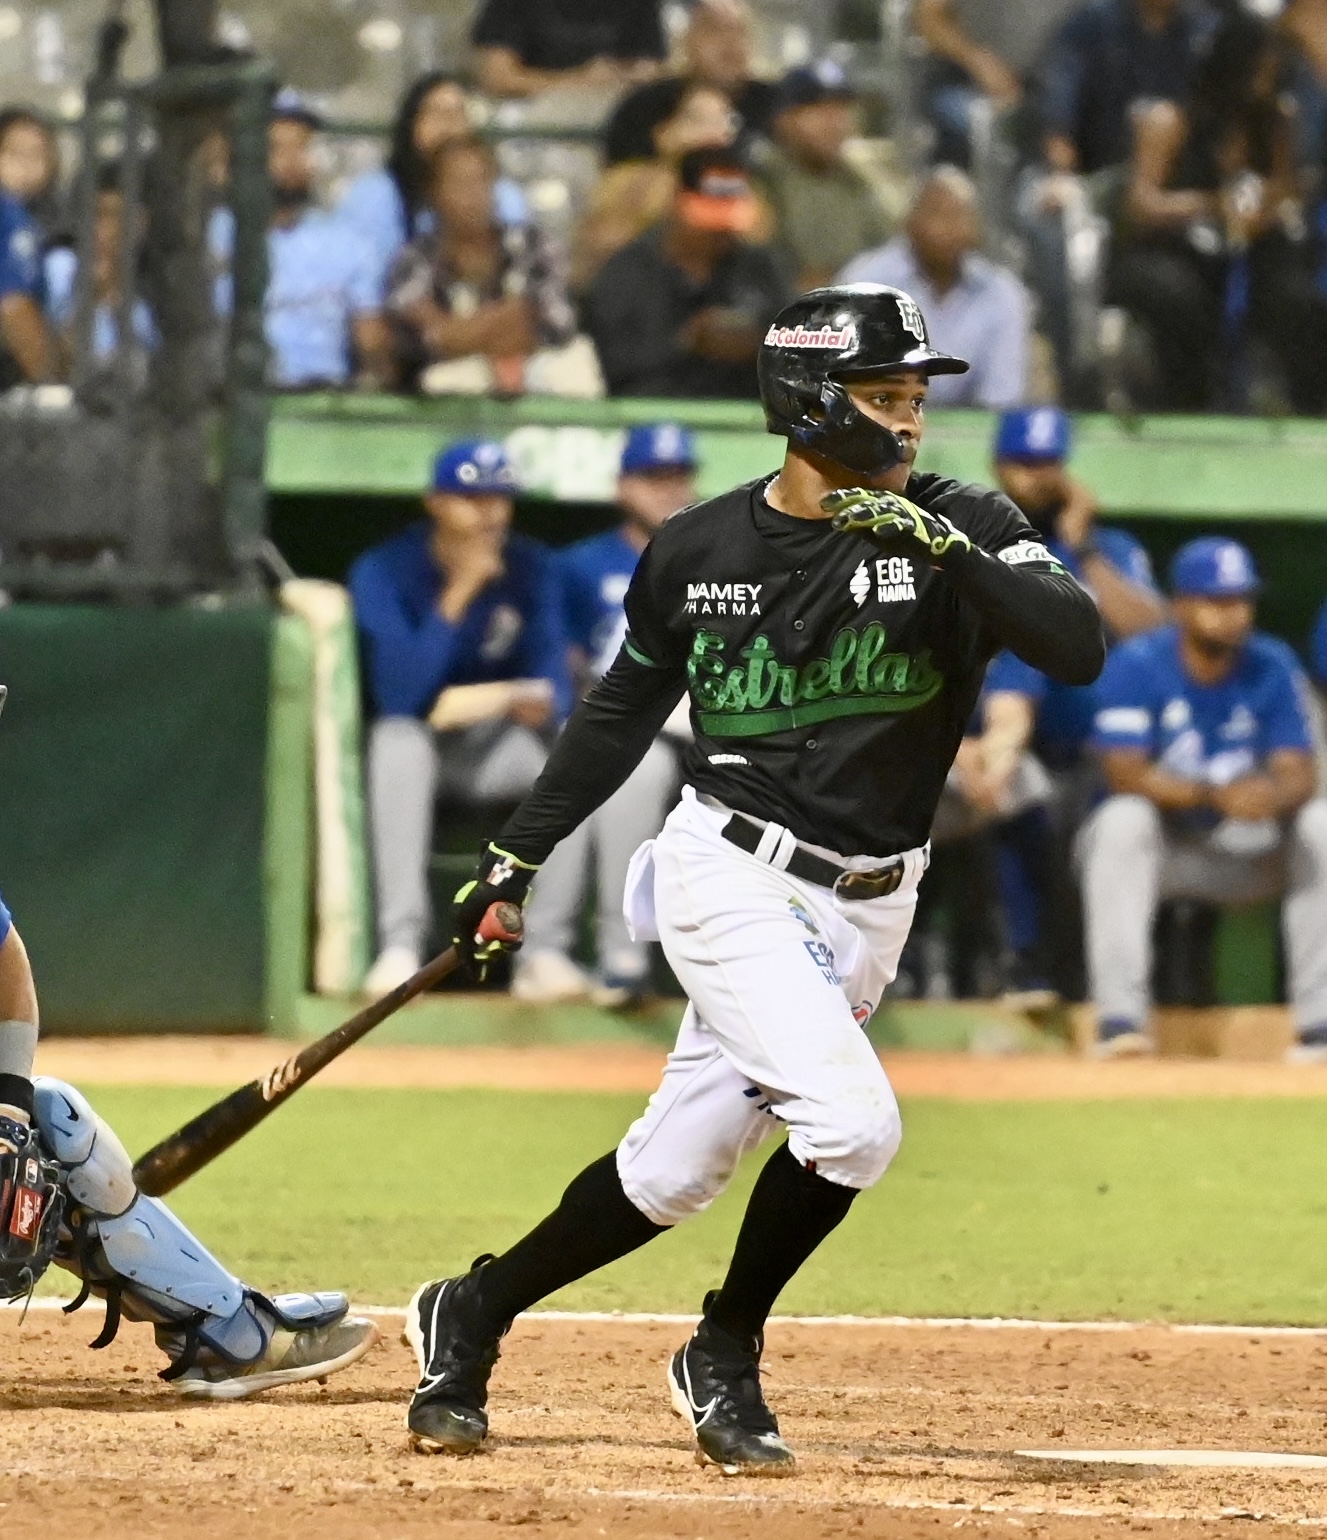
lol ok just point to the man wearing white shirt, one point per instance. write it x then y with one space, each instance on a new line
974 308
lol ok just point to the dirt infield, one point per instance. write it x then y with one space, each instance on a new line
228 1061
901 1432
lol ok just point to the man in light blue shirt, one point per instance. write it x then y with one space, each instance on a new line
1206 745
324 293
974 308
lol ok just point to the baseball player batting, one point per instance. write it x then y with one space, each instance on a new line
831 624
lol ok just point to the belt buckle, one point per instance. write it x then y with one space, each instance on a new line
856 887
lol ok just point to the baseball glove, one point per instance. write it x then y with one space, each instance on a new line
31 1203
895 524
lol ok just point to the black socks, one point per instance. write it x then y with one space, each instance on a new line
593 1225
790 1212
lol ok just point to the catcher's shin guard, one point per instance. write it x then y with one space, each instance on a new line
133 1252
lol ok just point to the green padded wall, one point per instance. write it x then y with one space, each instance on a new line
132 770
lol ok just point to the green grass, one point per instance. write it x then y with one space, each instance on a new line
1182 1210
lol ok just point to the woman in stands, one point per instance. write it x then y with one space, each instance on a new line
391 205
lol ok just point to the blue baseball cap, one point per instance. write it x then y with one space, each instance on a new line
659 446
1214 568
1033 433
475 466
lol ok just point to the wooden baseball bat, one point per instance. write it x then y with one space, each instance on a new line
179 1155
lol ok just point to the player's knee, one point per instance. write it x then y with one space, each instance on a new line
1125 822
668 1192
97 1170
857 1148
1310 826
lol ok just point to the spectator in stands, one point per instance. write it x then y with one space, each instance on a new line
973 307
1205 260
979 53
465 663
657 478
1207 750
1029 768
30 167
682 310
109 261
1106 59
472 301
28 351
825 209
527 46
635 194
324 318
716 51
392 204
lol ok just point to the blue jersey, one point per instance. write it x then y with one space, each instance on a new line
1212 733
512 630
1318 648
20 251
6 922
596 574
1065 711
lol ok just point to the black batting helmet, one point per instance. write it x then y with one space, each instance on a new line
827 336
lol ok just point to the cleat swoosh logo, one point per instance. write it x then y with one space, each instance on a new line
701 1414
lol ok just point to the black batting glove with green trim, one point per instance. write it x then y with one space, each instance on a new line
499 878
895 524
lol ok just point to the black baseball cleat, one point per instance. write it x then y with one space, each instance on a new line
715 1385
456 1351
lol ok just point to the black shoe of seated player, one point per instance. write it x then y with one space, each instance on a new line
456 1352
715 1386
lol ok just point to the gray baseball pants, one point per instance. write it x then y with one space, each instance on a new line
610 837
411 768
1130 859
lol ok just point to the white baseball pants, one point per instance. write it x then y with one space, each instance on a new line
782 977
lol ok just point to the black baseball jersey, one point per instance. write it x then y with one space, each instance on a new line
829 684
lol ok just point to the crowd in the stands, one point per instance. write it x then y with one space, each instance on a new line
1097 201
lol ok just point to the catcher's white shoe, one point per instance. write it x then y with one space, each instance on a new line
291 1357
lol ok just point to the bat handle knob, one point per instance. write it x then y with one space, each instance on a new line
502 922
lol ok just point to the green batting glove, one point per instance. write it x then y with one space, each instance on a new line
895 524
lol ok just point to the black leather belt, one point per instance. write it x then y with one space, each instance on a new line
805 864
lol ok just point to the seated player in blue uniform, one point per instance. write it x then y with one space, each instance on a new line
1206 746
460 628
657 478
1025 712
67 1195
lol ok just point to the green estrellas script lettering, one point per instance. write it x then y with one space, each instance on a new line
764 695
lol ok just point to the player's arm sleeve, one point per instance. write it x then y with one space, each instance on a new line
1318 648
608 734
1125 716
407 663
1026 599
1287 724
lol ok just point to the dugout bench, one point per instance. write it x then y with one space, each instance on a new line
183 839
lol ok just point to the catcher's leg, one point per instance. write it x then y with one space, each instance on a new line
224 1341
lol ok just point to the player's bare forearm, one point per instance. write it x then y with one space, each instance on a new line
1132 773
606 738
1127 607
